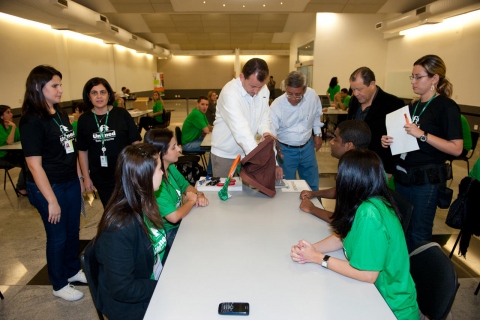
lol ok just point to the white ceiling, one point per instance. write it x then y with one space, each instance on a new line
188 25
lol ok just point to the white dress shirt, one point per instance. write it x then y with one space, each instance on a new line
238 119
293 124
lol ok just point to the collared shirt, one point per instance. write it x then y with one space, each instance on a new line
293 124
238 119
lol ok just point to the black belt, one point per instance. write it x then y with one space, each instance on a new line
296 147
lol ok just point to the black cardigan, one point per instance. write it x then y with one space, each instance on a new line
126 264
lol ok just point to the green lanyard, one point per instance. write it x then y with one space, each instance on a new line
416 118
60 125
102 134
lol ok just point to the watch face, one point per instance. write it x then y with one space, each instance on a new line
423 138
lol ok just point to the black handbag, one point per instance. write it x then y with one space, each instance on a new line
458 210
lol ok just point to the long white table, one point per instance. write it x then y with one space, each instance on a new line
136 114
16 146
239 251
207 142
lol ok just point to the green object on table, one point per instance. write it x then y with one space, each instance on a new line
223 193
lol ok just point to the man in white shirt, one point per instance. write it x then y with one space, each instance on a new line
294 114
242 113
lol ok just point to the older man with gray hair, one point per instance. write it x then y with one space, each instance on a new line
294 114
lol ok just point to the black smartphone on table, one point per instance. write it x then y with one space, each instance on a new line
234 308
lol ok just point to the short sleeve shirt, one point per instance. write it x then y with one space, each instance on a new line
169 195
376 242
193 126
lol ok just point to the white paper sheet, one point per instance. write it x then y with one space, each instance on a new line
402 141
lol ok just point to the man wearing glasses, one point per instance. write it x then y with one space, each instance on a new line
294 114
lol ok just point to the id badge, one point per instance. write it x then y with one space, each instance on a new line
68 144
103 161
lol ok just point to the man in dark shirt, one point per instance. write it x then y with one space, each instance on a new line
371 104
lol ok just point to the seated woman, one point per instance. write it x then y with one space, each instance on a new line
80 108
130 241
157 115
367 226
169 196
9 134
212 107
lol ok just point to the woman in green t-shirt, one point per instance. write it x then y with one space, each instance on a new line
333 88
157 114
176 197
367 227
9 134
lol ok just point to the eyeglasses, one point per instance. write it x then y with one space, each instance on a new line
298 96
96 93
417 77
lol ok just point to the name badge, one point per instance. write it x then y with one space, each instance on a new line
103 161
68 144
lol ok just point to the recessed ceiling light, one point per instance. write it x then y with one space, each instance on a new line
264 5
281 2
224 4
244 6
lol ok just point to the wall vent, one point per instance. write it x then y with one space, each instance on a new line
60 3
378 26
114 29
421 10
103 18
134 37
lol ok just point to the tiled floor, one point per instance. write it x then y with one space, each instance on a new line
22 247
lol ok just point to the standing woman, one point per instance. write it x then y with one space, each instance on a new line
169 196
9 134
212 107
333 88
130 240
367 227
438 128
54 180
102 133
156 117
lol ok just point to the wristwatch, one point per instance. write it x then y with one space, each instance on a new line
424 137
325 261
317 134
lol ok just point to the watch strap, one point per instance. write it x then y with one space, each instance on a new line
325 261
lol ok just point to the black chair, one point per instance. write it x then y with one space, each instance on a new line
467 156
91 268
6 168
166 121
435 279
190 169
178 135
405 208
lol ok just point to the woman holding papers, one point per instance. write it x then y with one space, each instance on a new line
367 227
169 196
437 126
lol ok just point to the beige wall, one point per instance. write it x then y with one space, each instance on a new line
345 42
457 42
25 45
212 72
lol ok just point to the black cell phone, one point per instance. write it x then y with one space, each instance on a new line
234 308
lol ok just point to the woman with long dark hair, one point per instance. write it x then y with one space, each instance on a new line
54 180
130 240
367 226
9 134
437 125
173 208
212 106
103 132
333 88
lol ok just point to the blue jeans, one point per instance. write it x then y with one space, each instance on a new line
424 199
62 237
194 146
302 160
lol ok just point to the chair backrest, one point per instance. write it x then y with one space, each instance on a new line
91 267
178 135
474 140
405 208
167 117
435 279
